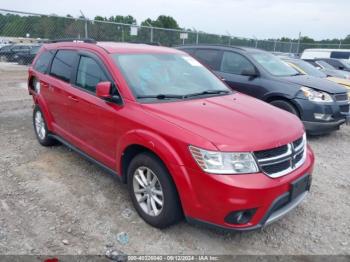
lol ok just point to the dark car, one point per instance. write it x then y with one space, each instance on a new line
27 57
322 105
8 53
336 63
328 69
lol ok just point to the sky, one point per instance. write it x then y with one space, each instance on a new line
319 19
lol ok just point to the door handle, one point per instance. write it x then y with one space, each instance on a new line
73 98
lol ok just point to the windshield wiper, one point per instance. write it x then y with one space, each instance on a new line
161 96
207 92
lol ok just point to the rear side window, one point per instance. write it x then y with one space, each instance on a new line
89 74
209 57
234 63
43 61
340 55
62 65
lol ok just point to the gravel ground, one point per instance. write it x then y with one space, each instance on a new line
52 201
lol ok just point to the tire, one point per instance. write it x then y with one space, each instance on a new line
21 61
40 128
170 211
287 106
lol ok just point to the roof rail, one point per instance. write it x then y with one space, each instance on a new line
145 43
77 40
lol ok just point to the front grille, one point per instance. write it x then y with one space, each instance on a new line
344 108
282 160
271 152
276 168
341 97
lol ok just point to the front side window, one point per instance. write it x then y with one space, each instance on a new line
274 65
234 63
62 64
89 74
43 61
167 74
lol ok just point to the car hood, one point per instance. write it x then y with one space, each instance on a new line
341 81
316 83
232 122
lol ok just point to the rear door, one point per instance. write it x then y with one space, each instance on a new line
56 91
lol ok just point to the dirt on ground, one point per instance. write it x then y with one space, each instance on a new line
52 201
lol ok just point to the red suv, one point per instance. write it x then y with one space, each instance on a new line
184 143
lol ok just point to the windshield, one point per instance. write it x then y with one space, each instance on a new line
325 65
309 69
160 76
274 65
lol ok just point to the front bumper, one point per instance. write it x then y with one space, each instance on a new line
338 111
213 197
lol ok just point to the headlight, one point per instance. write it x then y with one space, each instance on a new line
224 163
316 96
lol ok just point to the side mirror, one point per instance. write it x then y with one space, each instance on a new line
103 90
249 72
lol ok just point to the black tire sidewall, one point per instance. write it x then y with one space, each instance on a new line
171 212
285 105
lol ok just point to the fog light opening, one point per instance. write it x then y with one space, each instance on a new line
240 217
324 117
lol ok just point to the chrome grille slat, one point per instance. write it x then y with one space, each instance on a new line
278 165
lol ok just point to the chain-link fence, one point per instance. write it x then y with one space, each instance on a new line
26 27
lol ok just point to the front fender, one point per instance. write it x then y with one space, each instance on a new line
151 141
170 157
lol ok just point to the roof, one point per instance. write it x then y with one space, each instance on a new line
223 47
116 47
326 50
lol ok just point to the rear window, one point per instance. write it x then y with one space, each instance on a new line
340 55
43 61
209 57
62 64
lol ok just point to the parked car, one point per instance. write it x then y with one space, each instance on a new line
308 69
26 58
336 63
313 53
321 105
8 53
328 69
184 143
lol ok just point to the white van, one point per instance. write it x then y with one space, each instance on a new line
313 53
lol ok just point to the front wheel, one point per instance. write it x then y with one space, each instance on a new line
40 128
285 105
153 192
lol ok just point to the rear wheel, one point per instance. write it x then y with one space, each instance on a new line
285 105
153 192
40 127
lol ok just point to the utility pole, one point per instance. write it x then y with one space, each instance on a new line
274 46
298 47
339 44
230 37
256 41
151 31
197 35
86 24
